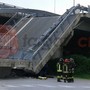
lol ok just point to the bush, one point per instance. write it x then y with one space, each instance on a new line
82 69
82 64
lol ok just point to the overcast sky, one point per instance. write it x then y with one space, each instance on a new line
57 6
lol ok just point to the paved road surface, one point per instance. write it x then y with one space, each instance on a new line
49 84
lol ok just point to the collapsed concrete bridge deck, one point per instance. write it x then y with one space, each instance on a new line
40 35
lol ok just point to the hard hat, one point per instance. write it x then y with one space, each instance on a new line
61 59
66 60
71 59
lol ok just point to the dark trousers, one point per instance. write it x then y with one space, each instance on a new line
59 75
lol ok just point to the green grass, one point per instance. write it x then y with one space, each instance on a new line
82 69
83 76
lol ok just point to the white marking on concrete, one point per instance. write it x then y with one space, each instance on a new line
66 86
28 85
11 86
46 86
49 86
1 88
85 86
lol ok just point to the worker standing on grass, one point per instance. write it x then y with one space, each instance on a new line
68 70
71 70
60 70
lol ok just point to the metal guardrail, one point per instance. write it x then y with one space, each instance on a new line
43 37
57 32
10 21
21 22
62 19
20 29
49 31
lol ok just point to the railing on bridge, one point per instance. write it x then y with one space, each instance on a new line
13 27
45 36
48 41
66 21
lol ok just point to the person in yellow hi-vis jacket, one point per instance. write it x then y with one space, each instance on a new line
66 70
59 70
72 65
